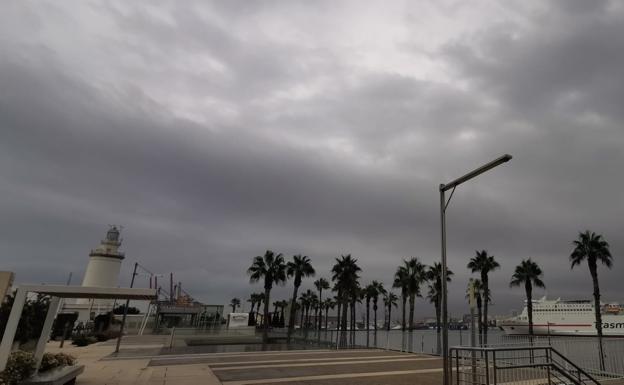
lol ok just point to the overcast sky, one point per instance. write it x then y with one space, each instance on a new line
212 131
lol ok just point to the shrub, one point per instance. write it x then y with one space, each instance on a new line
48 362
107 335
52 360
83 340
20 366
66 359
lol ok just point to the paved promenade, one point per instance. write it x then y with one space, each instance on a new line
142 362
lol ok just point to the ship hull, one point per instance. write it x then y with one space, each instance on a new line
566 318
612 326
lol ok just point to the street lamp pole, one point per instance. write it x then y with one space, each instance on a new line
443 205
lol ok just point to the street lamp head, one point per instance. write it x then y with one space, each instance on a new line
496 162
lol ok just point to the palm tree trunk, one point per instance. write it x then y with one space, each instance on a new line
375 313
480 319
338 312
343 320
411 309
320 309
389 316
353 321
438 329
594 274
265 331
486 298
367 313
307 316
529 296
291 316
404 299
352 315
326 317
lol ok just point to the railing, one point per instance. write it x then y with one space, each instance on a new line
526 365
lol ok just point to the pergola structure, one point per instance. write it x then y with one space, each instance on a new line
56 292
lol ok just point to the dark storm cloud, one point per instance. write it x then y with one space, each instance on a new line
211 138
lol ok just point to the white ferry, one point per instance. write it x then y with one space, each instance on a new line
557 317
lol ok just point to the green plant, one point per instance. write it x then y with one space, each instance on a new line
56 360
83 340
20 366
31 321
106 335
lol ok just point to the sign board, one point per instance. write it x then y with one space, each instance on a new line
238 320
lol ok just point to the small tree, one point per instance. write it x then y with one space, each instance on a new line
272 269
529 274
235 302
593 248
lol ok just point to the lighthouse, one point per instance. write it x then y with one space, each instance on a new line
102 271
105 262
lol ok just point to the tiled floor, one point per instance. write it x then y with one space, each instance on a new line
142 365
315 367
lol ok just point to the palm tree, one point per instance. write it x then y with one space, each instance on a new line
314 304
252 299
400 282
593 248
355 296
260 301
320 284
478 292
272 269
275 320
283 305
235 302
345 274
529 274
304 301
413 273
378 290
369 292
338 304
484 264
434 275
390 299
299 268
328 304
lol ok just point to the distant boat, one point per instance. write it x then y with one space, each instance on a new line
571 318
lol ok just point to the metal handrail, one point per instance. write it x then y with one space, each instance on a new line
551 360
574 365
499 348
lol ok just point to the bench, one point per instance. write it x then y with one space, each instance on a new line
57 376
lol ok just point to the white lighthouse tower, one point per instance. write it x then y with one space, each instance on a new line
105 262
102 271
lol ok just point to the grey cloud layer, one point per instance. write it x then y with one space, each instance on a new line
211 143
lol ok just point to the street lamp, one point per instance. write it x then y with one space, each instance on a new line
443 205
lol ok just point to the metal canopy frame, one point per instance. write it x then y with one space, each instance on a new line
56 292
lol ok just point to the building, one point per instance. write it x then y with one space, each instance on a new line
6 281
102 271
